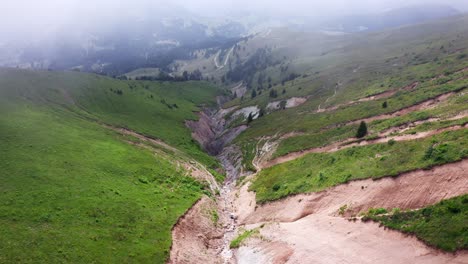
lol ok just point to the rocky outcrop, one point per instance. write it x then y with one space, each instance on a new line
289 103
213 133
231 159
205 131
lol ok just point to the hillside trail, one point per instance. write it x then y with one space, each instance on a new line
381 95
319 109
423 105
354 142
381 137
215 59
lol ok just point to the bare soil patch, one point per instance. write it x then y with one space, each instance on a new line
310 225
196 237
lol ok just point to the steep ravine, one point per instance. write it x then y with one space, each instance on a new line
204 233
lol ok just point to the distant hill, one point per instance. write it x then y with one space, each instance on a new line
149 40
391 18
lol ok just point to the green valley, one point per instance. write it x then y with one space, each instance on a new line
176 138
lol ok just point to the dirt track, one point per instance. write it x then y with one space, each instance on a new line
378 96
427 104
262 158
352 142
309 225
382 95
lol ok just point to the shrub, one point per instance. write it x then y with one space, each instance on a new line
276 187
282 104
214 217
238 240
342 209
376 211
322 177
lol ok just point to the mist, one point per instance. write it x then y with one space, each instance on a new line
39 17
116 36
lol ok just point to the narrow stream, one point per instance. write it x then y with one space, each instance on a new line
226 204
231 225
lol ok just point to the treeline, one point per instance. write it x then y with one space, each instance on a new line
259 61
162 76
290 77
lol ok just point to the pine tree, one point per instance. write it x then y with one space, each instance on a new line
384 105
254 93
362 130
273 93
261 112
250 118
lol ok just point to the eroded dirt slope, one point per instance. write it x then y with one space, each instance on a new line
310 226
197 236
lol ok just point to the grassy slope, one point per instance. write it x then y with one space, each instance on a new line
74 191
455 105
363 65
318 171
374 63
140 107
442 225
313 122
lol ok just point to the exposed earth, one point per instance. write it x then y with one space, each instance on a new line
308 228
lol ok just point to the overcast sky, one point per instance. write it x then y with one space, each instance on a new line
314 7
37 15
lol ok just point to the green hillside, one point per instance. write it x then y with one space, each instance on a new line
339 76
155 109
319 171
75 191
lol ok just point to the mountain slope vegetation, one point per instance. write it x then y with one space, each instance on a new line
74 190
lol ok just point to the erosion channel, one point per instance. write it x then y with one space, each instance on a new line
204 233
306 228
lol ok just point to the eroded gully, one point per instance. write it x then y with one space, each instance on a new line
212 132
